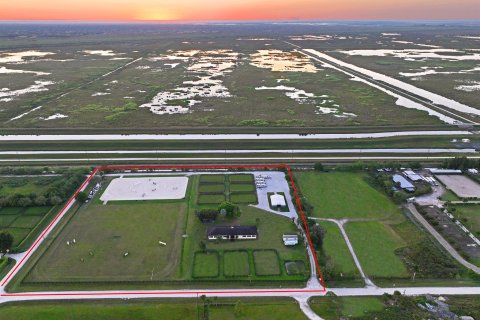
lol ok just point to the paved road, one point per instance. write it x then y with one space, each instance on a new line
441 240
230 159
233 151
320 136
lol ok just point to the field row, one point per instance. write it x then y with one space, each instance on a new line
243 263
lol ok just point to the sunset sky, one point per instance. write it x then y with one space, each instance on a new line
237 9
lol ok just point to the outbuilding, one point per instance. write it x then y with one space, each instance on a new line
290 239
404 183
277 201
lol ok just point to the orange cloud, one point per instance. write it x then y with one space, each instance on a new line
237 9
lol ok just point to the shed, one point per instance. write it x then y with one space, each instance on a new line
290 239
277 200
404 183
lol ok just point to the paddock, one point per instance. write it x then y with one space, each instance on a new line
462 186
146 188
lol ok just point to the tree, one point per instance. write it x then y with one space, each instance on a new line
232 211
81 196
40 201
6 241
318 166
24 202
317 233
207 215
54 200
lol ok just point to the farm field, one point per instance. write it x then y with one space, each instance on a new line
389 246
375 245
236 188
342 195
24 223
331 308
105 233
260 308
143 243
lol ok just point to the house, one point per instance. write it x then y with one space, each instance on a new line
232 232
290 240
404 183
277 201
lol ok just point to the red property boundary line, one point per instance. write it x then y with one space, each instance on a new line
166 292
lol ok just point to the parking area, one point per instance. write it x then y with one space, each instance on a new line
273 182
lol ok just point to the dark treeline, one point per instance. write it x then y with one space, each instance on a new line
59 190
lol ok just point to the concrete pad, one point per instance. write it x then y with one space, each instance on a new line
146 188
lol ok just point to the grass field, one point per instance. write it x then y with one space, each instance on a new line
236 188
266 262
206 265
214 188
335 247
21 222
332 308
185 309
26 185
211 199
244 198
469 215
375 243
344 195
212 178
271 227
241 178
236 263
105 233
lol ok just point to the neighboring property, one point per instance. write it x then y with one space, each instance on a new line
410 174
290 239
278 201
232 232
404 183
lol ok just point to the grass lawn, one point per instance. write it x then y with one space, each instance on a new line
336 247
18 234
266 262
240 178
450 196
104 233
271 227
206 264
26 222
171 309
375 243
210 198
244 198
212 178
242 187
236 263
337 307
469 215
212 188
344 195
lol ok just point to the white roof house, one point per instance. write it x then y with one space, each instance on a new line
277 200
290 239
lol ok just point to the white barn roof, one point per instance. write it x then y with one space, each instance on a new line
278 200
